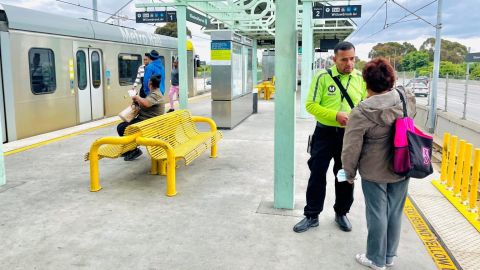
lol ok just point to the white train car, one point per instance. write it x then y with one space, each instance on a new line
58 72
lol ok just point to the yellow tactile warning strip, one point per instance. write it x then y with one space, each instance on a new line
58 138
434 246
192 99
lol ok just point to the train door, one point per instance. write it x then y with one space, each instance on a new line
90 85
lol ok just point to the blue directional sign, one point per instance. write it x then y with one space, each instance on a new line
337 12
151 17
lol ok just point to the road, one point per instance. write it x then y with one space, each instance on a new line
456 97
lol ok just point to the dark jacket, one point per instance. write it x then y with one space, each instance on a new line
368 140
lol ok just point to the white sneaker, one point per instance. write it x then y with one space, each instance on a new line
363 260
389 262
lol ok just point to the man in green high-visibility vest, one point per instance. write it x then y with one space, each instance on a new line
332 95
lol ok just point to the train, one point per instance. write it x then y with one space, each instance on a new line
58 72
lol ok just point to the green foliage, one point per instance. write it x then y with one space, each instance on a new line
360 64
414 60
475 71
450 51
393 51
170 29
205 68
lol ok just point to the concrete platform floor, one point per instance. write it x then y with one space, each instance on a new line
222 217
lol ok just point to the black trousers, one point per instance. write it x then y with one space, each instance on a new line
122 126
326 144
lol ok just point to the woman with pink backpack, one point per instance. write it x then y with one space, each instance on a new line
368 147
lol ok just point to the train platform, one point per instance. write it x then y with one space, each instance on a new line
221 218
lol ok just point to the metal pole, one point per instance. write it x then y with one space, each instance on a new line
182 54
446 92
307 51
467 76
404 73
436 69
254 76
3 178
285 72
429 89
95 12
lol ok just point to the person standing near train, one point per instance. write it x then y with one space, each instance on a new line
140 74
154 67
174 88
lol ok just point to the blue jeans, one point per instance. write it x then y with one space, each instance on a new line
384 206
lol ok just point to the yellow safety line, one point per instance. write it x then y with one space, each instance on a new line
471 217
439 255
58 138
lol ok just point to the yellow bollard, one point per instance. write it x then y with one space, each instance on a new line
451 161
467 163
446 140
474 182
459 169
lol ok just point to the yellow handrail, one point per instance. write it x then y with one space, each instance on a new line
93 156
171 188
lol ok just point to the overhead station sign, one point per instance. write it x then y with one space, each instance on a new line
169 16
197 18
337 12
151 17
472 57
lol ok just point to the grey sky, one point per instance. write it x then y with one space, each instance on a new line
460 22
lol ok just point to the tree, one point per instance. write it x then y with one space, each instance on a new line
393 51
450 51
415 60
170 29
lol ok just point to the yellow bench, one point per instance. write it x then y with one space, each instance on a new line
168 138
267 87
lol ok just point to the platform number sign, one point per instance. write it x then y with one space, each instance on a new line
171 16
336 12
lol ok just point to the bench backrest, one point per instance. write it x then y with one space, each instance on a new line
176 127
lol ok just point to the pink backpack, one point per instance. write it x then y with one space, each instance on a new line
412 148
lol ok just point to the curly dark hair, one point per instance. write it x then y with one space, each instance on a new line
379 75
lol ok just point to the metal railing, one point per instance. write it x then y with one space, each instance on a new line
457 95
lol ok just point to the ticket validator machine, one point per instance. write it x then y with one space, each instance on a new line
232 85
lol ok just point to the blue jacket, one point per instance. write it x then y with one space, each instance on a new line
154 68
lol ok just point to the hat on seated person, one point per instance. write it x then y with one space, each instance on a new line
153 55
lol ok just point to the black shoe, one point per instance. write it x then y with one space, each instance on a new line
343 222
131 155
305 224
171 110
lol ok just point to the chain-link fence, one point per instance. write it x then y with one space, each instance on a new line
457 95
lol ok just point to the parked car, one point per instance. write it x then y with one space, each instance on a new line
422 79
418 88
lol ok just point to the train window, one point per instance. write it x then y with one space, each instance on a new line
128 67
81 70
42 71
96 73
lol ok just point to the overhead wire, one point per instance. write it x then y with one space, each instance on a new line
400 20
366 22
116 16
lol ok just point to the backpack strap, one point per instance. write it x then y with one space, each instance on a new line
404 103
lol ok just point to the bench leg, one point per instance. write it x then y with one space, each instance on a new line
171 189
94 179
163 167
213 150
154 168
